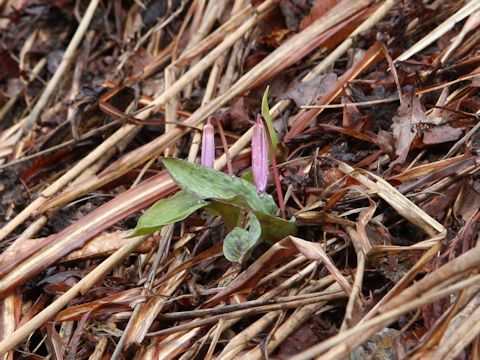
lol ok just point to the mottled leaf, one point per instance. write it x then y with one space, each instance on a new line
167 211
273 227
239 241
212 184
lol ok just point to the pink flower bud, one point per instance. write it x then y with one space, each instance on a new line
208 145
259 156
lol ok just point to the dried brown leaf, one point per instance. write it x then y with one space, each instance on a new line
404 126
305 92
441 134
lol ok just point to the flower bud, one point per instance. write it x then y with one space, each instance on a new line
259 156
208 145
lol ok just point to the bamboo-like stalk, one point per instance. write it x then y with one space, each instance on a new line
332 294
341 49
421 293
398 201
67 58
80 288
440 30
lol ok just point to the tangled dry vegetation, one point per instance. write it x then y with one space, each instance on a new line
376 104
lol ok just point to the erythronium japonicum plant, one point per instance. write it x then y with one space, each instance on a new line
248 212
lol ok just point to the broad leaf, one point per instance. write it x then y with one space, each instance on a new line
248 176
268 119
230 213
239 241
404 129
275 228
212 184
167 211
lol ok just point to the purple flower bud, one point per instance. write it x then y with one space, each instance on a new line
259 156
208 145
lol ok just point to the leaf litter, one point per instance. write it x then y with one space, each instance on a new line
365 242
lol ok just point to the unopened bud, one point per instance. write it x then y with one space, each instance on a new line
259 156
208 145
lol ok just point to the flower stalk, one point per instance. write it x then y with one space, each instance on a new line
225 146
276 175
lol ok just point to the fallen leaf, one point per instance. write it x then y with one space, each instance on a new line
315 251
467 202
404 126
105 305
441 134
438 206
386 142
352 116
305 92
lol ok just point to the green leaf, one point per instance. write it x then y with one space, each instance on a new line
268 119
229 213
275 228
239 241
211 184
248 176
235 244
167 211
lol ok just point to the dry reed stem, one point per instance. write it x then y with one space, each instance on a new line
341 49
80 288
249 312
423 292
294 321
343 343
67 58
399 202
8 320
440 30
171 106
